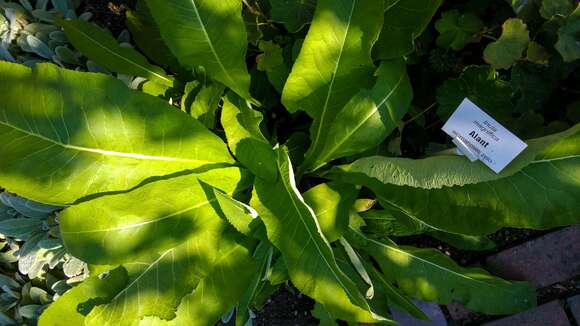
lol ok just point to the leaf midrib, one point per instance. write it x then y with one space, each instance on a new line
121 57
429 263
313 215
209 42
363 121
131 226
441 186
143 273
315 142
102 151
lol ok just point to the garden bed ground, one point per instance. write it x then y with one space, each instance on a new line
286 307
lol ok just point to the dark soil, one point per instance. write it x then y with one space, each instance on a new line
108 14
287 308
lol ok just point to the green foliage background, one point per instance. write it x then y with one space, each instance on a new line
239 145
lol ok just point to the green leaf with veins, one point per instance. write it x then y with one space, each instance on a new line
209 34
148 38
456 30
334 57
242 217
510 47
204 105
446 169
191 265
395 297
292 14
219 289
242 126
393 222
568 36
537 190
331 203
404 21
292 227
551 8
92 134
483 86
78 302
428 274
153 218
386 295
102 48
370 116
263 256
155 287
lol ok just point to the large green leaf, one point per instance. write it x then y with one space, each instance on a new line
159 284
568 36
206 33
102 48
147 36
538 190
292 227
155 287
76 303
370 116
331 203
385 295
427 274
242 126
335 56
393 222
91 134
263 256
293 14
157 216
394 296
404 20
220 289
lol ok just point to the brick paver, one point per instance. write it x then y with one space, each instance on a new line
432 310
549 314
574 304
551 258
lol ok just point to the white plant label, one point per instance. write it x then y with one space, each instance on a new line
479 137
